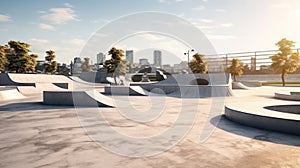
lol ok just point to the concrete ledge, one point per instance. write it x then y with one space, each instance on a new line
192 91
255 115
76 98
125 90
288 96
295 93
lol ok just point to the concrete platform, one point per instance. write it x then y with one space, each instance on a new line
258 115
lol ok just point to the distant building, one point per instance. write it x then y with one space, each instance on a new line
129 56
76 68
157 58
168 68
182 66
144 61
40 66
100 58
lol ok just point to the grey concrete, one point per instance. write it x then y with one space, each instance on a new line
13 79
287 96
255 114
80 81
252 83
37 135
183 85
124 90
295 93
294 109
239 85
10 94
90 98
94 77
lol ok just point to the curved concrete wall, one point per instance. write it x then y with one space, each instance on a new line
283 96
264 122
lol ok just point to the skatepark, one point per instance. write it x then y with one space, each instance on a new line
48 121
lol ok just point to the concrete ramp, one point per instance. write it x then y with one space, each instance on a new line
125 90
103 101
239 85
39 88
78 80
10 94
202 91
12 79
140 91
38 78
91 98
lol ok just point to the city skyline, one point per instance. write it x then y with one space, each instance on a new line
231 26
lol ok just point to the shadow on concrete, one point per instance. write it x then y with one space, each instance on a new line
25 106
264 135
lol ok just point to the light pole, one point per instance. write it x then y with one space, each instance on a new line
188 54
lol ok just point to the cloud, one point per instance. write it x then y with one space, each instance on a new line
227 25
206 20
204 0
76 41
281 6
152 37
5 18
60 15
68 5
169 1
220 10
36 40
220 37
199 8
46 26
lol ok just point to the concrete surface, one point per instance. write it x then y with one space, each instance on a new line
10 94
125 90
258 115
287 96
36 135
77 98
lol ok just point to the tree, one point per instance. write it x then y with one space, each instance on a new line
86 67
116 65
285 61
3 59
198 64
31 62
63 69
236 68
18 57
50 64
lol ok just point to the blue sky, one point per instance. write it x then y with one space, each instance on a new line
230 25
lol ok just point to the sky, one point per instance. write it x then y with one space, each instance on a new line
66 26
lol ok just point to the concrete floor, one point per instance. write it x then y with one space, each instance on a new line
35 135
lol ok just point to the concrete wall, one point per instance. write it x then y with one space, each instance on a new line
263 122
95 77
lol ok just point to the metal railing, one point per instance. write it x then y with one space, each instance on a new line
256 60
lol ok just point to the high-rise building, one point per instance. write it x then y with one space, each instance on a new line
129 56
100 58
157 58
76 69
